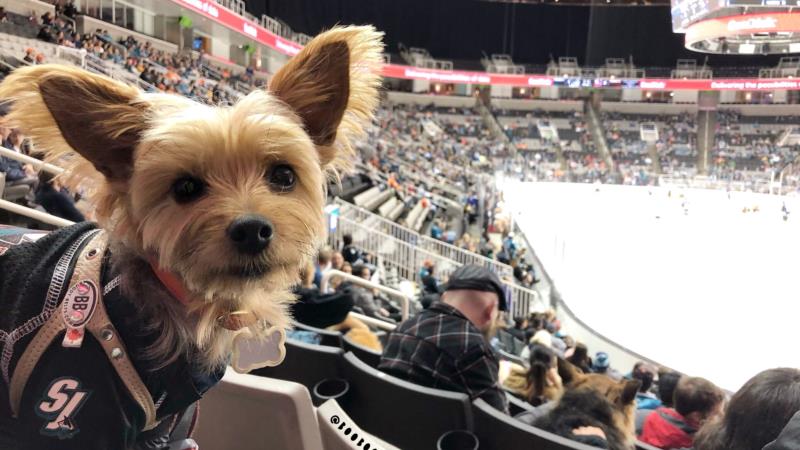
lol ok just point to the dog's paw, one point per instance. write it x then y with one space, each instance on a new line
251 352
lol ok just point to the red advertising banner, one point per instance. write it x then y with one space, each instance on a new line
743 25
228 18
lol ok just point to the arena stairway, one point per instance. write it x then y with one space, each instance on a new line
595 126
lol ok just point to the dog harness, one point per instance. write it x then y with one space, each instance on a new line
73 369
83 309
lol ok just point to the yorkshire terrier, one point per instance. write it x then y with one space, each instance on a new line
209 213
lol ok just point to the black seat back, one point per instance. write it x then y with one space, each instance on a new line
516 405
330 338
306 364
381 404
498 431
368 355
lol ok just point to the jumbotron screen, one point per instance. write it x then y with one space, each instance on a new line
686 12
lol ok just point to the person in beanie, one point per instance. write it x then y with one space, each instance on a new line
447 345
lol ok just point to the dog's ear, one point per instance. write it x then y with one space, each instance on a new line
629 390
332 85
568 372
64 109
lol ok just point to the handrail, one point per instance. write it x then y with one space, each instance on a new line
34 214
404 299
11 154
421 237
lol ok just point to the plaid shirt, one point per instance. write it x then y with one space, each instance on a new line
442 349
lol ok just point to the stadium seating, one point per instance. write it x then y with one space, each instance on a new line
307 364
334 437
367 355
247 412
383 405
496 430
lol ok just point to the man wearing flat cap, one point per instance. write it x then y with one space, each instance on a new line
447 345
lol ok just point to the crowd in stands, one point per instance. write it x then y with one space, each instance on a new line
23 185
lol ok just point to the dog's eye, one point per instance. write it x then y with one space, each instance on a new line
188 189
282 178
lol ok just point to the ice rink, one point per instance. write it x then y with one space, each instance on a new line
684 277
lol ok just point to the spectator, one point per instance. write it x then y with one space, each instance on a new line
602 364
30 56
337 261
447 345
697 400
365 298
667 382
436 230
518 331
3 15
430 292
756 414
323 264
70 10
580 358
350 253
56 200
646 375
540 383
316 309
17 173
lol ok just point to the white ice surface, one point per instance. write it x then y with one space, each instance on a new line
712 293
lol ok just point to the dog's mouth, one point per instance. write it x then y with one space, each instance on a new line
249 271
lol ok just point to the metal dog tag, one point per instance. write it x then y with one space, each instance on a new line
251 352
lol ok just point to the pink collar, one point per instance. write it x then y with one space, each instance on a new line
171 282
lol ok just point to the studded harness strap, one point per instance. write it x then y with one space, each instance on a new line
85 278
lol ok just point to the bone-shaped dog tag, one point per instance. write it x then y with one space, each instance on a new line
251 352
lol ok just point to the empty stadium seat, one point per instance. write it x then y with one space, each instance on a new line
364 197
388 206
402 413
12 193
247 412
374 202
368 355
498 431
306 364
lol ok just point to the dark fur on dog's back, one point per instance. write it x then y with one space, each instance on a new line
594 400
583 407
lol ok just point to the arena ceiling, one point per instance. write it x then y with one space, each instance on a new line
532 32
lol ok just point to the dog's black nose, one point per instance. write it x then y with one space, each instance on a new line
250 234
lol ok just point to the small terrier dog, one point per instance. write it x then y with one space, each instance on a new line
209 214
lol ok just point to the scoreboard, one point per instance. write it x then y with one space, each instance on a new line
687 12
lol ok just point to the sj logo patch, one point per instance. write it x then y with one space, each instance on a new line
59 406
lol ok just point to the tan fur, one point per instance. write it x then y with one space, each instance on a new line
518 382
365 59
365 338
621 394
229 148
